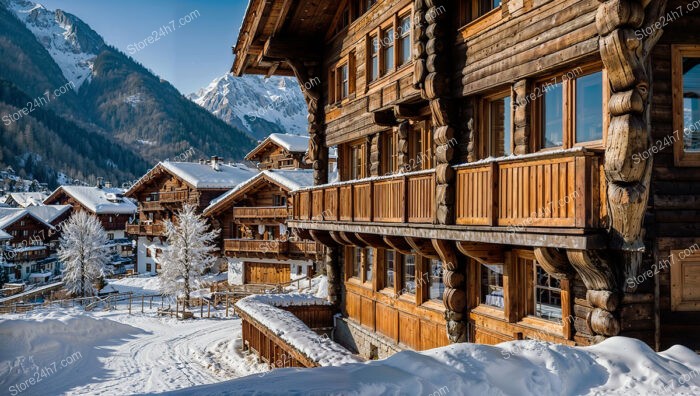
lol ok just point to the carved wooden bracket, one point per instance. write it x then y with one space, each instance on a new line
323 238
424 247
399 244
484 253
555 262
594 269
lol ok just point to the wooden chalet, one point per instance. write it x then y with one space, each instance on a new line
509 169
28 254
112 209
253 217
165 189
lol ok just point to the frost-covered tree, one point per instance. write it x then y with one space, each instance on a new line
84 253
190 244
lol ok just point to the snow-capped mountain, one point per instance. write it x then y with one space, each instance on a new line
71 43
256 104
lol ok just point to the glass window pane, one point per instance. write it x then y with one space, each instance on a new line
547 295
345 87
405 43
356 261
691 104
552 116
408 281
375 59
389 262
492 286
369 264
500 131
388 43
437 287
589 107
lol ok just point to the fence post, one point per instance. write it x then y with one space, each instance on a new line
201 307
129 303
227 296
150 304
209 309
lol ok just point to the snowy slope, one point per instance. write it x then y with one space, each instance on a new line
71 43
245 101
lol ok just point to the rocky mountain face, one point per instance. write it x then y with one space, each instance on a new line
260 106
72 104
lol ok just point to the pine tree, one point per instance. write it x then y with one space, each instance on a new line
84 253
190 244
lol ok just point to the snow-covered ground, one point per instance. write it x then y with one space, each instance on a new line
618 366
115 353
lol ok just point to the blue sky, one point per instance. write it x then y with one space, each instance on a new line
190 56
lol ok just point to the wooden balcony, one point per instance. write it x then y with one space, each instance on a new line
558 189
173 196
275 247
156 229
150 206
552 189
407 198
269 212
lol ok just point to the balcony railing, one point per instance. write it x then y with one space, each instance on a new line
156 229
150 206
271 246
271 212
406 198
557 189
550 189
173 196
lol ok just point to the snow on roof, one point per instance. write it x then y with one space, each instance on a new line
49 213
292 143
4 235
322 350
25 199
101 200
204 176
9 216
616 366
292 179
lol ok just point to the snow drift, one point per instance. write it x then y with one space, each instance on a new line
618 366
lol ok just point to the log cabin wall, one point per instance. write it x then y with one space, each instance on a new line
671 223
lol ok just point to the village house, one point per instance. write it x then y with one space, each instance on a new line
24 199
29 253
112 209
164 190
253 217
508 169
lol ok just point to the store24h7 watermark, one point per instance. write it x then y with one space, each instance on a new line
42 373
37 103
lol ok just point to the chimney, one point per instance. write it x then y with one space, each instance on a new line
99 182
215 163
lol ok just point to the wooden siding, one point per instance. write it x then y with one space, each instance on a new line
266 273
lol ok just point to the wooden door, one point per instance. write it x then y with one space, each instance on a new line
268 273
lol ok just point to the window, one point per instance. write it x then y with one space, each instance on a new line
469 10
357 161
546 294
369 262
492 285
552 116
500 126
436 287
589 107
389 268
420 146
369 4
148 267
686 104
22 223
356 262
279 200
111 219
408 274
344 81
389 160
25 233
388 50
374 58
404 35
110 236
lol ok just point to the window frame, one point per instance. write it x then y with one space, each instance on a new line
487 143
401 36
680 156
568 87
678 304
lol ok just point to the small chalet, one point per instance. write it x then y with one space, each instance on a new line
280 151
112 209
28 253
165 189
254 235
